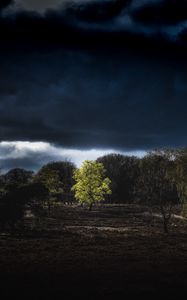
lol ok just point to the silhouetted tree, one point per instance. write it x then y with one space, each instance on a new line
51 180
13 197
179 176
155 186
17 200
17 177
123 172
36 195
12 207
63 172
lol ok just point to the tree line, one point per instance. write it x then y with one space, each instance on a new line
158 180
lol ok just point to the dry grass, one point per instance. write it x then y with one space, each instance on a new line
110 252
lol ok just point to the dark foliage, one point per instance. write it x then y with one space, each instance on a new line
123 172
155 185
19 194
157 180
12 207
63 171
17 176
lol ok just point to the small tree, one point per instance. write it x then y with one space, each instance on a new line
123 172
50 180
156 187
17 177
12 209
180 177
14 197
63 172
91 184
36 195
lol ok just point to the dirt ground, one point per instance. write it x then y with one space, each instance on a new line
112 252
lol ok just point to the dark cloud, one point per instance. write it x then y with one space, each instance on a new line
96 11
38 5
90 98
94 76
116 22
5 3
162 12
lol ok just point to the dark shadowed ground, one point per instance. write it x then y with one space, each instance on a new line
113 252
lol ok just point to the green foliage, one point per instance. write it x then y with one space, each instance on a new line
91 184
159 180
50 179
58 179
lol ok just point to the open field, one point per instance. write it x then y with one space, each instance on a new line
111 252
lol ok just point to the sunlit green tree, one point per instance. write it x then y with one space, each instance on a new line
91 183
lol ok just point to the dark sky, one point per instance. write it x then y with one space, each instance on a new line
105 74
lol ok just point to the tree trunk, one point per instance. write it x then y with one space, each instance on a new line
12 226
166 219
165 223
90 207
49 208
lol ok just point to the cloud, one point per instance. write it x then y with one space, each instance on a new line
5 3
102 89
161 12
35 5
32 155
116 22
83 99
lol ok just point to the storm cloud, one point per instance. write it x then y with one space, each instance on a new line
63 21
79 77
88 99
33 155
92 21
